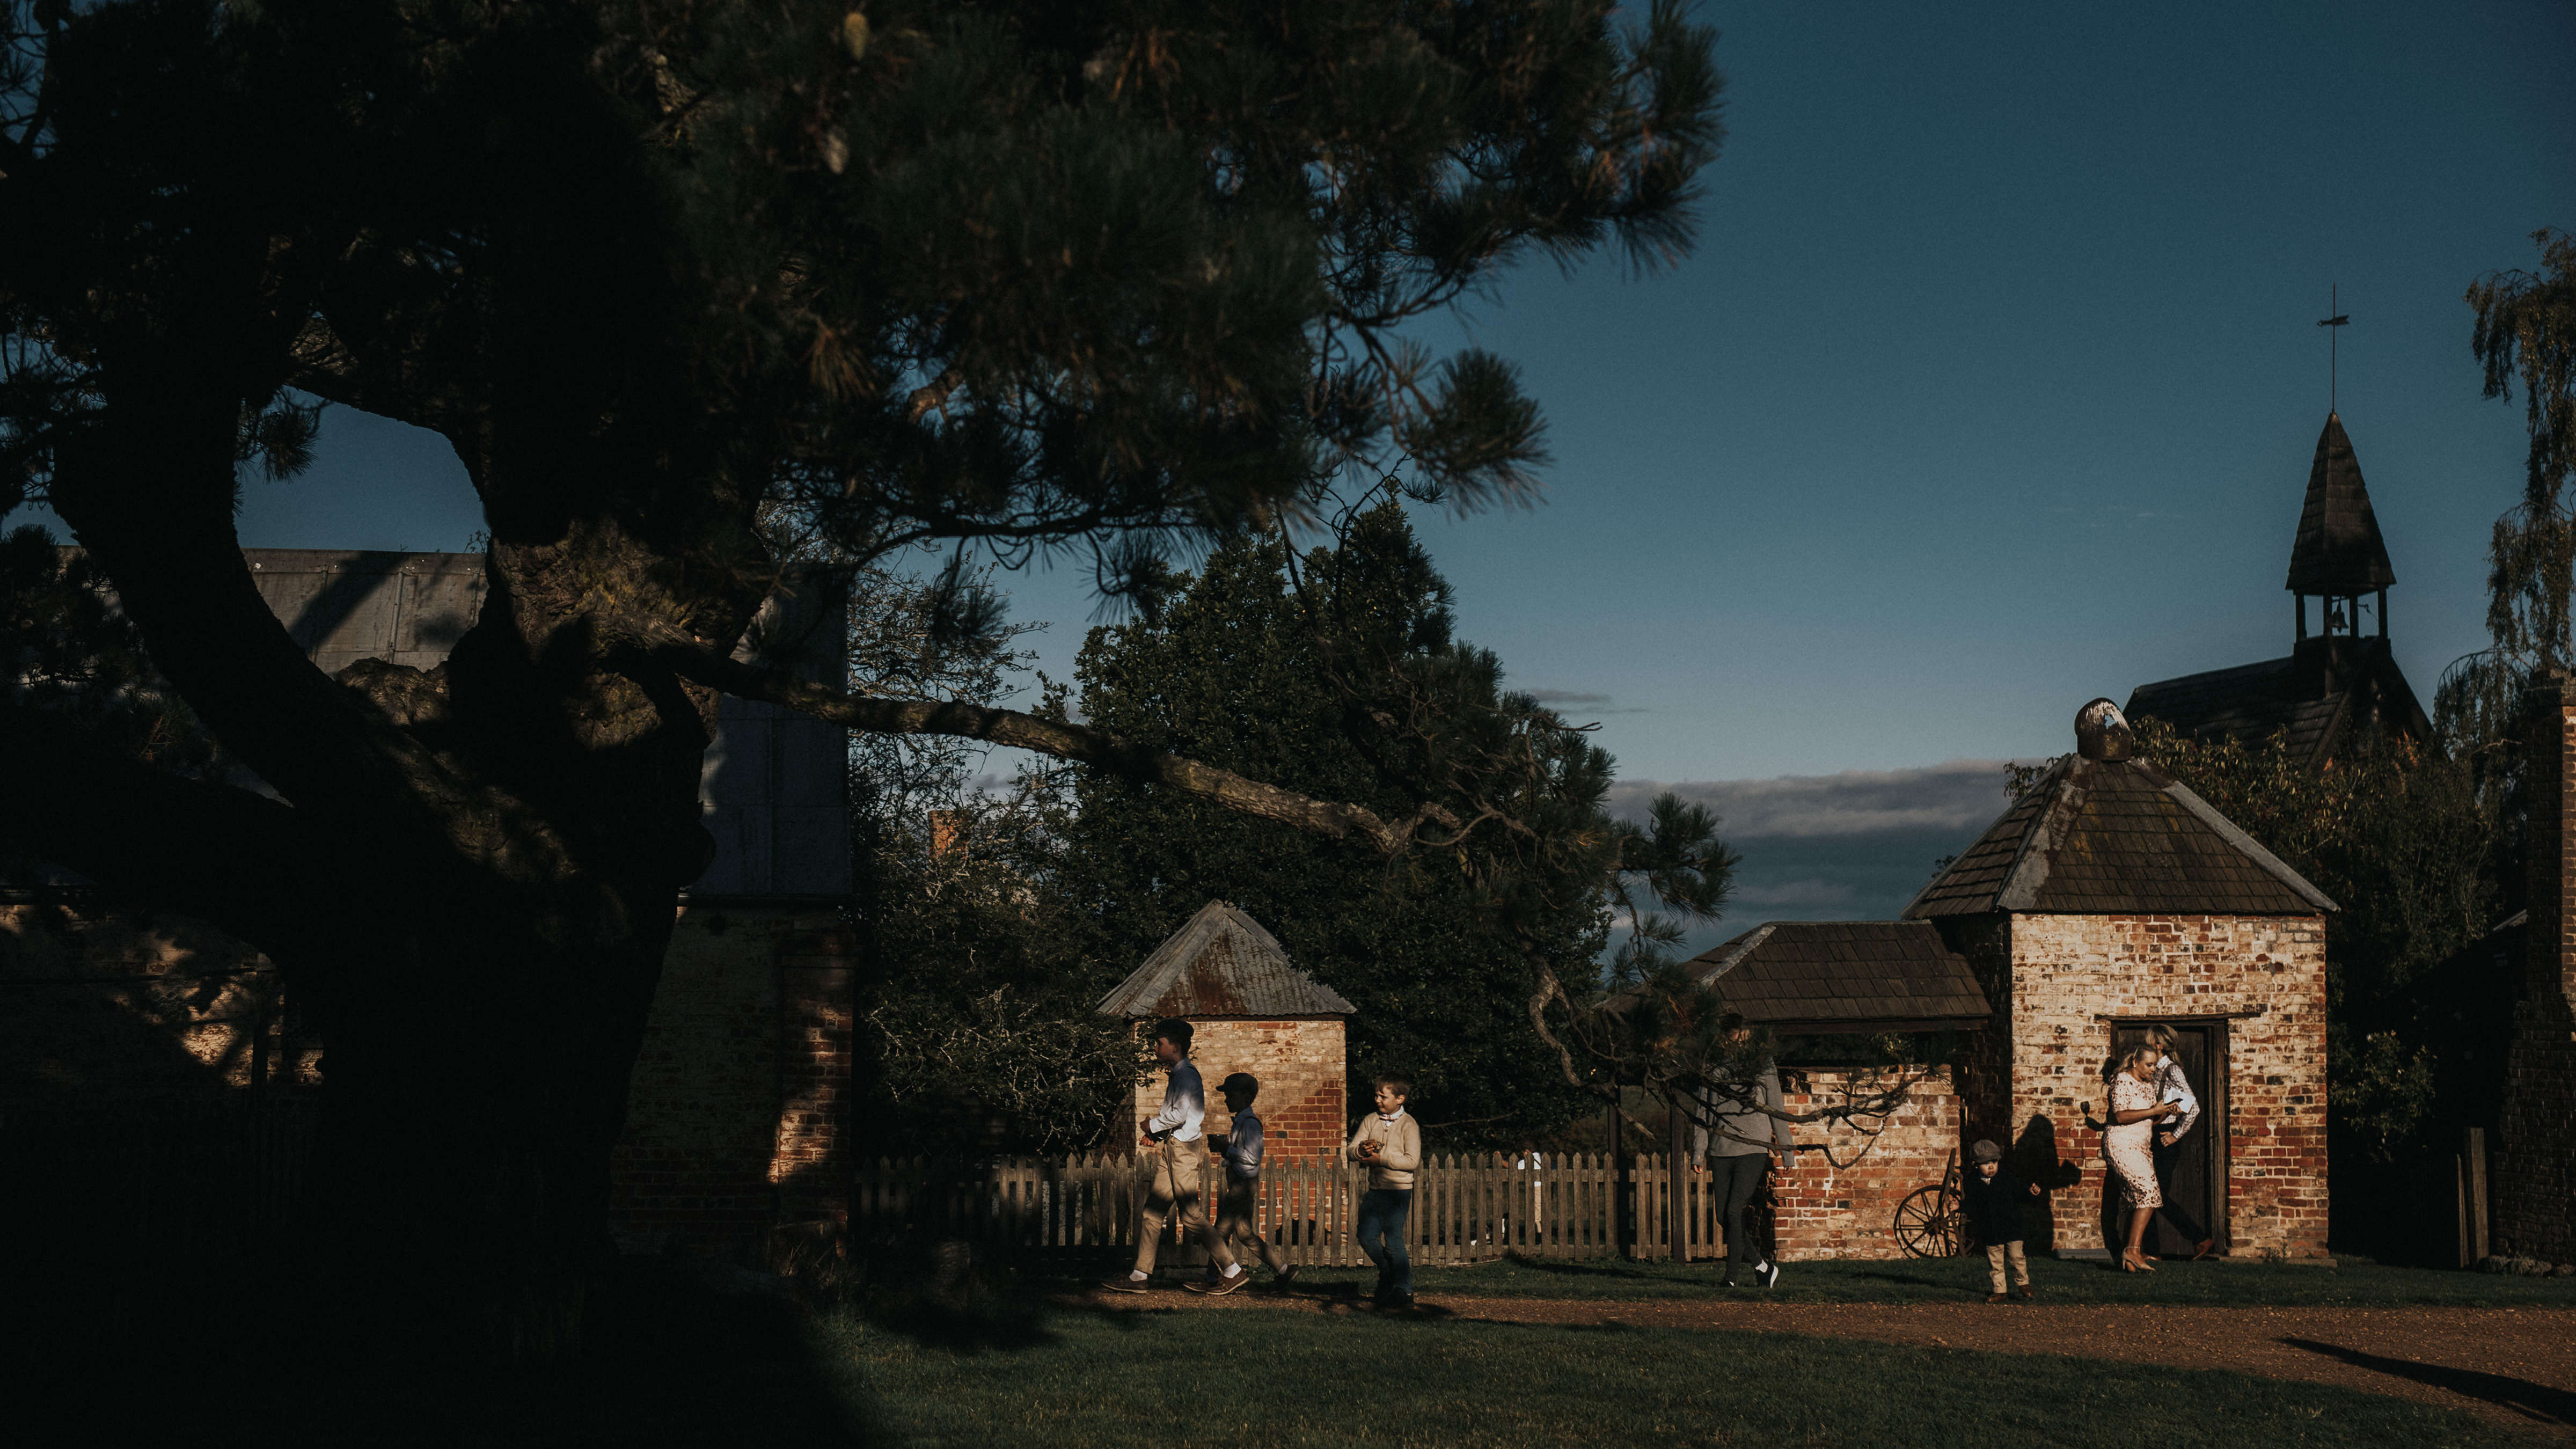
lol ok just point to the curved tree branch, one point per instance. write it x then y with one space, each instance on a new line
1329 818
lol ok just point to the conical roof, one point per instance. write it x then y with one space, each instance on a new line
2116 837
2338 550
1221 964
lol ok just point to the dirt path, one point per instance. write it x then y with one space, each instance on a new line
2515 1366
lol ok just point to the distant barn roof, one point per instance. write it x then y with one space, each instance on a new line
1221 964
1845 976
2116 837
2338 550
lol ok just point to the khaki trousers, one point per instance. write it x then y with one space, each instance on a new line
1178 1168
1238 1220
1998 1254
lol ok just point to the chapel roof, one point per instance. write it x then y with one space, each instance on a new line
1221 963
2097 836
1822 977
2338 548
2320 695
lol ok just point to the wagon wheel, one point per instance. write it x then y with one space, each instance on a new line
1928 1225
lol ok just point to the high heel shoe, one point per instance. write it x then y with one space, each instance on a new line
2135 1263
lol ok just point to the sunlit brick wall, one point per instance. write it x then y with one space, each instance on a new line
1840 1198
736 1115
2266 973
1299 1063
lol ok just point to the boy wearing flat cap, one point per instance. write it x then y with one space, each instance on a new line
1238 1212
1993 1199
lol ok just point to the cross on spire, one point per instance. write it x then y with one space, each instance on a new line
2334 320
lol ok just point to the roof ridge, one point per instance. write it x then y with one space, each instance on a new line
2247 845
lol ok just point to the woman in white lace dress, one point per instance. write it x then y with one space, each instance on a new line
2134 1112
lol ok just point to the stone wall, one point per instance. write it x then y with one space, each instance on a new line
2263 975
2535 1160
1840 1201
1299 1063
737 1117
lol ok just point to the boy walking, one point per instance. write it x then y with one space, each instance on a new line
1173 1137
1390 1143
1993 1198
1238 1210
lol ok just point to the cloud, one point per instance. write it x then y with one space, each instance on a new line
1958 795
1565 696
1849 847
1812 891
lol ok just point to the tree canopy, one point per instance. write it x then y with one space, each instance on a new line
693 288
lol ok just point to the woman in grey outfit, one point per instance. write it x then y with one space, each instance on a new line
1740 1142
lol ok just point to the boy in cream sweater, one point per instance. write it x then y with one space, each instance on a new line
1390 1142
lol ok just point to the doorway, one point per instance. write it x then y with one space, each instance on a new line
2194 1174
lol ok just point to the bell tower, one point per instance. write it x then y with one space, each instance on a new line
2338 558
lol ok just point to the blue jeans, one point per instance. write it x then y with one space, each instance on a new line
1384 1211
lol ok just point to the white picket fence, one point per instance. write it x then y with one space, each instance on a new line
1465 1208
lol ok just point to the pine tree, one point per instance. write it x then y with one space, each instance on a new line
1241 668
671 277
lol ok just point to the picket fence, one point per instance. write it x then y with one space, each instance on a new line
1465 1208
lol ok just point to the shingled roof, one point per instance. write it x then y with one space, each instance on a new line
2116 837
1821 977
2338 550
1221 964
2320 695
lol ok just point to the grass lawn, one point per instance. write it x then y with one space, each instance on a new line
1950 1280
1081 1378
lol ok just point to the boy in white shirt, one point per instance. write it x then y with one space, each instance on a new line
1179 1160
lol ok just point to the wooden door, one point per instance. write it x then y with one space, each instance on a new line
2191 1183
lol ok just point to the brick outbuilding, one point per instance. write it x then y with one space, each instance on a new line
1253 1011
2109 899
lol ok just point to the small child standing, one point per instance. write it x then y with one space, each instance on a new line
1993 1200
1238 1212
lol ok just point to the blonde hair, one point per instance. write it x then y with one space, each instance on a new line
2129 1059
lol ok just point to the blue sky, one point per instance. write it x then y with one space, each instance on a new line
1991 387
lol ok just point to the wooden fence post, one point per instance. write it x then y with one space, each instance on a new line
2477 1183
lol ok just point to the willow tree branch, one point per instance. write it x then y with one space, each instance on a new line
881 715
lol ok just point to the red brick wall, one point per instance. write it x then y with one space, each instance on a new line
2265 974
2535 1161
1840 1202
736 1116
1299 1065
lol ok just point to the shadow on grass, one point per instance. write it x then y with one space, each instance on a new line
2537 1402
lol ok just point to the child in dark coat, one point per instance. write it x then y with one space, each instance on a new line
1992 1198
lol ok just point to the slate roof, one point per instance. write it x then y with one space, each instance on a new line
2338 550
2116 837
2320 694
1845 976
1221 964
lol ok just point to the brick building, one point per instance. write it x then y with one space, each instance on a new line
1833 981
2110 899
2106 900
1251 1010
2535 1160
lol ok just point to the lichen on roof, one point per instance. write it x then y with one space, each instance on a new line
1221 963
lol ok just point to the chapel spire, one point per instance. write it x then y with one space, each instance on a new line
2338 554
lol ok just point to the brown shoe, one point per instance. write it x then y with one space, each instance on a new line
2203 1249
2024 1293
1220 1287
1126 1285
1994 1298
